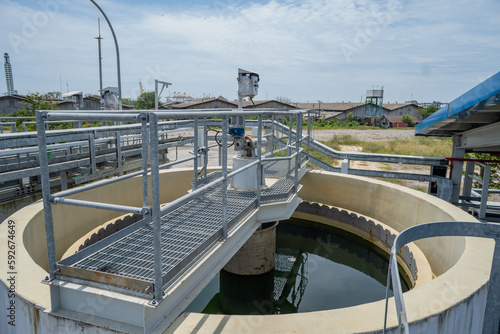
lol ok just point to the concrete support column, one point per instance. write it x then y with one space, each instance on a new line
457 166
257 255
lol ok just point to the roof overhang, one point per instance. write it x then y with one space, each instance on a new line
477 108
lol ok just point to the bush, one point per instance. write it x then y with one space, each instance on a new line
408 120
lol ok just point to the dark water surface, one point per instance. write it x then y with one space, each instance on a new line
317 268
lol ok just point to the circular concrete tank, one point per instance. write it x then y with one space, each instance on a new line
452 302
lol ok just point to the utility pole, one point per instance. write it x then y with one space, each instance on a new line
117 55
100 58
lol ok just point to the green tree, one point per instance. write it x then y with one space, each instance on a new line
427 111
284 99
145 101
350 117
34 101
53 95
495 168
408 120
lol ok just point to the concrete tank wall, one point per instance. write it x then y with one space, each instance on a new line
450 303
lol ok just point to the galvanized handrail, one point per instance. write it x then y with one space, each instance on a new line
150 134
469 195
444 229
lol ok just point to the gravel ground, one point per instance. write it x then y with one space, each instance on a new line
366 135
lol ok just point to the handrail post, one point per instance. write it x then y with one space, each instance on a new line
205 143
145 157
224 175
195 150
47 205
290 131
156 214
308 132
93 164
272 136
484 193
297 157
259 165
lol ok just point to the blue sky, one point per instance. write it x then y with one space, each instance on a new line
304 50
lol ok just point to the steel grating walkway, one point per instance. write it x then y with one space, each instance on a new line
186 233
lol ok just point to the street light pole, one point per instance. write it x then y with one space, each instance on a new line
117 55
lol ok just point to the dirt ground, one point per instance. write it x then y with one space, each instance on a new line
366 135
324 135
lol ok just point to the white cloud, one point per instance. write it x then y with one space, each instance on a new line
308 50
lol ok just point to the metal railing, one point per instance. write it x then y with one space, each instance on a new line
76 156
149 126
472 200
445 229
444 186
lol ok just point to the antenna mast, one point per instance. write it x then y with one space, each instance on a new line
100 58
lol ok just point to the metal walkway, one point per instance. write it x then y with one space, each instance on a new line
186 232
155 267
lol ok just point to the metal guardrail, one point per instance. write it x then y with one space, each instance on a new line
11 124
471 200
76 156
445 229
153 214
444 186
441 186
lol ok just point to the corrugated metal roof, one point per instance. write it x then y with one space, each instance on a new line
399 118
475 108
334 106
394 106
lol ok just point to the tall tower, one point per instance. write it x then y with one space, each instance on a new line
373 104
8 75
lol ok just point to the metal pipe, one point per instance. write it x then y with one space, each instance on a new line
156 94
107 116
96 184
281 158
297 149
186 198
224 176
259 164
155 187
145 158
93 163
221 113
440 229
47 206
308 131
95 205
205 143
170 164
195 149
117 54
272 135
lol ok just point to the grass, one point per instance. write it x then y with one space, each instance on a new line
427 147
344 139
422 146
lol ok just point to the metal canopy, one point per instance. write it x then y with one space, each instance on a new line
474 109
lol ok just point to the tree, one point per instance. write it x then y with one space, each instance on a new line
495 168
145 101
350 117
53 95
284 99
427 111
34 101
408 120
